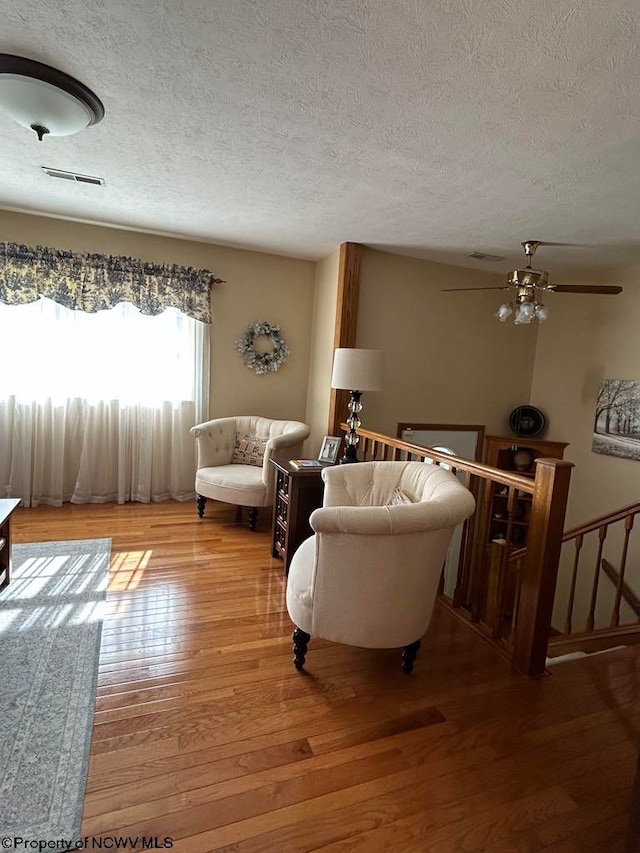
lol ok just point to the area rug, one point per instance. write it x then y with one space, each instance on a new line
50 624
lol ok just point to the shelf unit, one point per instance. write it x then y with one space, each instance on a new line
7 506
511 453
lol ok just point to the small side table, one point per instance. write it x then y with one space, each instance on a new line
7 506
298 491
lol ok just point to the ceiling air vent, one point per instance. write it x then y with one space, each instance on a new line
73 176
483 256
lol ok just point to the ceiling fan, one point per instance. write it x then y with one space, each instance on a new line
528 285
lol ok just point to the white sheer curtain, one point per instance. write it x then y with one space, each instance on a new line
98 407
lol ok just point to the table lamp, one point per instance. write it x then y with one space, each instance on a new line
356 370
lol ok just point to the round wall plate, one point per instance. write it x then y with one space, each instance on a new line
527 421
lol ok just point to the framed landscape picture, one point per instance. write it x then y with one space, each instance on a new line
616 425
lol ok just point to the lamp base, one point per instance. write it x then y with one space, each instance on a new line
350 455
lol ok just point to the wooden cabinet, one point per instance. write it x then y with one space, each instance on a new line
298 491
7 506
517 455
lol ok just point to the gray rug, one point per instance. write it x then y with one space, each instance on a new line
50 624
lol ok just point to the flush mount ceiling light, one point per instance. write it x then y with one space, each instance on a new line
44 99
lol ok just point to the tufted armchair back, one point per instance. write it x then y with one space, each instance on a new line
369 576
219 478
215 438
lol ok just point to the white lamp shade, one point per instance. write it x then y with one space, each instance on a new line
357 369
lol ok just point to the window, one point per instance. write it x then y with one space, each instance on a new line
98 407
119 354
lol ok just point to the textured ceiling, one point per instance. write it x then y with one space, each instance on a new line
430 128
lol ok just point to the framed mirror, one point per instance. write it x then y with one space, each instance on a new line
467 442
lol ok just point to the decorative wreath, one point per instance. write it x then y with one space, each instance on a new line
262 362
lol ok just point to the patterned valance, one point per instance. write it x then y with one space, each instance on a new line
87 282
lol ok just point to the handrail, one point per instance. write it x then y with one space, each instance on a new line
589 527
498 475
609 518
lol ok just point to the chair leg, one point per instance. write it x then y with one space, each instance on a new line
409 655
300 643
200 502
253 517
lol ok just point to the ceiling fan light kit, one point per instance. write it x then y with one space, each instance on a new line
529 284
44 99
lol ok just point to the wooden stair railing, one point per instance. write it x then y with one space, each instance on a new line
510 604
584 557
601 527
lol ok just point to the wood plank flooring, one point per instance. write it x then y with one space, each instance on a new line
205 733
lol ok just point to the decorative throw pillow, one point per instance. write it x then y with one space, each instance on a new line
399 498
249 450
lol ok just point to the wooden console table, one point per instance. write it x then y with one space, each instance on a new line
7 506
298 491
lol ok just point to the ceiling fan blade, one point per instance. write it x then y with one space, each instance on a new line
452 289
566 245
584 288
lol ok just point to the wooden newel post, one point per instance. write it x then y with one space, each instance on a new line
540 570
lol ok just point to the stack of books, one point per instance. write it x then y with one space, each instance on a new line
307 463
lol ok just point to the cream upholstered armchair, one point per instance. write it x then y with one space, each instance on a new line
369 576
233 459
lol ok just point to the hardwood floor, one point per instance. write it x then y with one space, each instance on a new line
205 733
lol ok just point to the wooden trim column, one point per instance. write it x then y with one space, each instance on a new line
540 570
346 323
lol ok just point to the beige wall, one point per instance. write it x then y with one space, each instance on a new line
259 287
586 339
321 359
448 360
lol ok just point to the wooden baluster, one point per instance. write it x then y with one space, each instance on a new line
516 598
602 535
461 590
501 589
540 571
481 557
628 527
489 607
572 592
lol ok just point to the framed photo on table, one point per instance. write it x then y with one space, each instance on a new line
330 448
